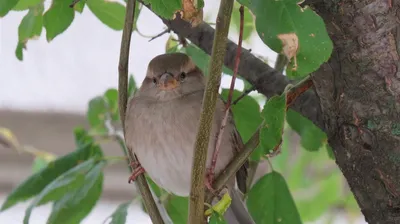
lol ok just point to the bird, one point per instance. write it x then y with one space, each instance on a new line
161 125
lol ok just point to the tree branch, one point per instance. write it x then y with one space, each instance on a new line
196 200
122 102
265 79
240 158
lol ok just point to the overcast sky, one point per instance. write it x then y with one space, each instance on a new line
80 63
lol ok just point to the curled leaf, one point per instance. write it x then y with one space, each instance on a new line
8 139
290 46
221 206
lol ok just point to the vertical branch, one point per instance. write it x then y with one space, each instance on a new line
122 102
229 101
196 200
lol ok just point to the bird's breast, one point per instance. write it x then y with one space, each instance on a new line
163 139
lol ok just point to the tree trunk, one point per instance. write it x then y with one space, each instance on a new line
359 92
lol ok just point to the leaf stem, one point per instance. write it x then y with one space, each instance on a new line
196 200
123 99
245 93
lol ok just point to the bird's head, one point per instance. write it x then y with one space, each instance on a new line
171 76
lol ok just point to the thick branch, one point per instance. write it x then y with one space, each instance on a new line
122 102
265 79
196 203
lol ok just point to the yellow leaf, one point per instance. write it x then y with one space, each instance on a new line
221 206
8 139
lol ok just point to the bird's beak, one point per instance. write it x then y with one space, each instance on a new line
167 82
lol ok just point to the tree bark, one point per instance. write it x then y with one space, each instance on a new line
359 93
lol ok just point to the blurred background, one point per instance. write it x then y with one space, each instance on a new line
45 96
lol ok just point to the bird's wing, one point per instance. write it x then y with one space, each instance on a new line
237 143
241 175
128 123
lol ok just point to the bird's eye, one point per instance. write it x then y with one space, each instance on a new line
154 80
183 75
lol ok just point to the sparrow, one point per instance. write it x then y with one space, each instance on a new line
161 125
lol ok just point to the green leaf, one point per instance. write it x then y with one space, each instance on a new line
177 209
329 150
6 6
111 98
176 206
97 114
38 181
325 195
216 218
38 164
164 8
119 215
313 179
246 113
312 138
69 181
248 22
26 4
269 201
41 161
31 25
110 13
274 120
81 201
131 86
80 6
58 18
315 46
201 59
82 138
19 51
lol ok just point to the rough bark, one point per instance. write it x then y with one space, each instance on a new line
359 92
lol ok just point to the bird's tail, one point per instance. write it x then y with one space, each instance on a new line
237 212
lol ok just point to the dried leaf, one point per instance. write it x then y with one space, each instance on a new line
190 13
290 46
8 139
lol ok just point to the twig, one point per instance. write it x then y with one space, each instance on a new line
122 98
196 200
160 34
297 90
228 103
182 41
251 145
245 93
291 96
236 163
253 165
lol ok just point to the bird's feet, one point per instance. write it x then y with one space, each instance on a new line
137 170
